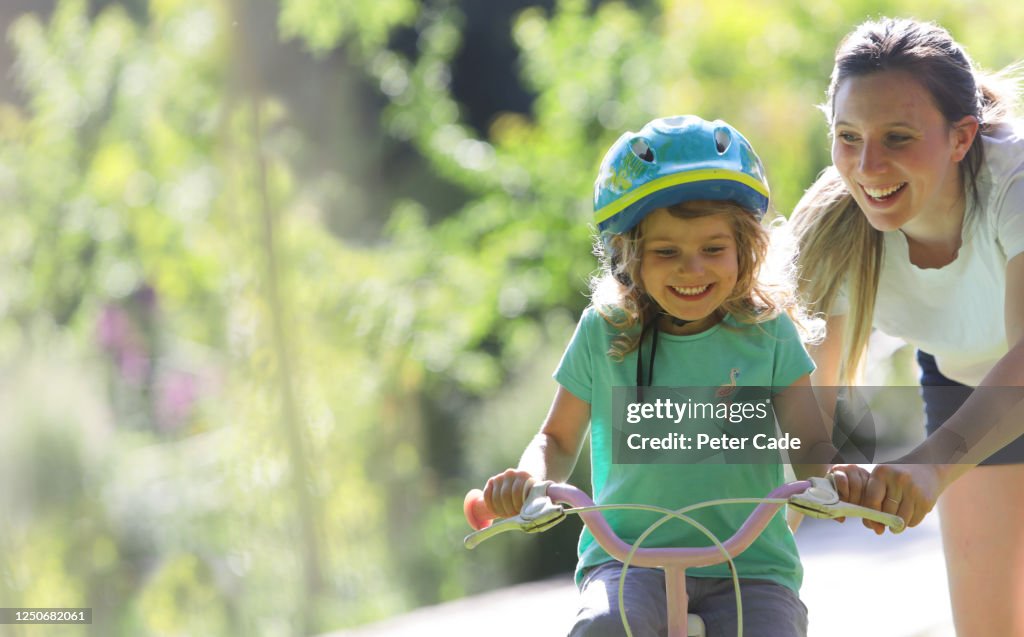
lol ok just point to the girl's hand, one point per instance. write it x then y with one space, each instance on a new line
851 481
506 492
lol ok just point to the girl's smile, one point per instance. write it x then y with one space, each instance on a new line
689 266
692 293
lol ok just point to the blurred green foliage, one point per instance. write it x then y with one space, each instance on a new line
230 408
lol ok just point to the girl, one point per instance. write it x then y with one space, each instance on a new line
918 229
680 302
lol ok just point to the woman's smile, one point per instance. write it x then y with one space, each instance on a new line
882 194
896 152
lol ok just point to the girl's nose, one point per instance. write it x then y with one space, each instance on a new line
692 264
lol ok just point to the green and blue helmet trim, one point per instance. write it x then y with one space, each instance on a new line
672 160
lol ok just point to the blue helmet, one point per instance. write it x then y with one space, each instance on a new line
672 160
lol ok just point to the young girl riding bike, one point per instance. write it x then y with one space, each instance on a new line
681 302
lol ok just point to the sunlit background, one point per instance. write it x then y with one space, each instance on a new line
280 281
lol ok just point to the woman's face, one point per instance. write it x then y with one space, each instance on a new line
689 266
896 152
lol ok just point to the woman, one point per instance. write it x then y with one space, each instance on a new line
918 229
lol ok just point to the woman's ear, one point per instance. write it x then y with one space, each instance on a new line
963 133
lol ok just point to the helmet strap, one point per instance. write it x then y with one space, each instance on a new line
678 322
651 326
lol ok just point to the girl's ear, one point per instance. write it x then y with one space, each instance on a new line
620 247
622 276
963 133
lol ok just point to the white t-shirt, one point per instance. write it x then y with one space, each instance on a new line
956 312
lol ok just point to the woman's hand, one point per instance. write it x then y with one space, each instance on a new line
908 490
506 492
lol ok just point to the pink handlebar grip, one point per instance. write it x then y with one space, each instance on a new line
477 513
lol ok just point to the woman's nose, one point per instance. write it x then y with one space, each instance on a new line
872 159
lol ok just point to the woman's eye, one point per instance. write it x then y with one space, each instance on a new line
849 138
898 139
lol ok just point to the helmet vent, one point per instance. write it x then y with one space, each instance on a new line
722 140
642 149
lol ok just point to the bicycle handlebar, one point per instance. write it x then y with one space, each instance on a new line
816 497
822 501
538 514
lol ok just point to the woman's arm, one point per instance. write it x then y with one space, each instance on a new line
994 415
917 483
827 354
990 419
551 455
799 415
851 480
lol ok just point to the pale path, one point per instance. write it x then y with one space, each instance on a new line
898 582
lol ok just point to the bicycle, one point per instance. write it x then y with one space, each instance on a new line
543 509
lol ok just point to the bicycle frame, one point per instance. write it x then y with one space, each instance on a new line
815 497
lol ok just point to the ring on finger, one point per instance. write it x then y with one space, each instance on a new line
893 500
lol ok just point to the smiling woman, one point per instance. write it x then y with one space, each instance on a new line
898 156
918 229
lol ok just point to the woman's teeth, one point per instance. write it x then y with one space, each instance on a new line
882 193
691 291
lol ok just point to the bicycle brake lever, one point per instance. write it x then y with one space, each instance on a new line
538 514
822 501
821 493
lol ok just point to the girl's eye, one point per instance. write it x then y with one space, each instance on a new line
714 249
664 252
848 138
898 139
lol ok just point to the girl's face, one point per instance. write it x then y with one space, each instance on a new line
896 152
689 266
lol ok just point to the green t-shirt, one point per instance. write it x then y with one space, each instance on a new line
768 355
